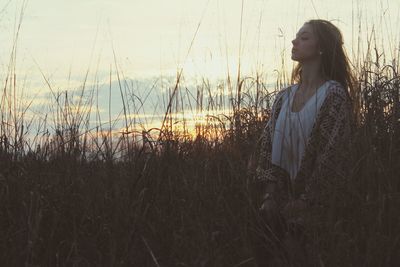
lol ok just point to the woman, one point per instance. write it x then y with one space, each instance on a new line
304 159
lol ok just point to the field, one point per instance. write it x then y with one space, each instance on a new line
73 197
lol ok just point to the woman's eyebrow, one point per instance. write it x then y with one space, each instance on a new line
302 33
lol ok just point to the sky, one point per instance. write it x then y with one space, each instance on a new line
152 37
60 41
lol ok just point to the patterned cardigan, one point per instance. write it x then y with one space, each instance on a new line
326 162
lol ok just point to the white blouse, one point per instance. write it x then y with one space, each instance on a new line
292 129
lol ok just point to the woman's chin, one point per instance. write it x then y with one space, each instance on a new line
294 58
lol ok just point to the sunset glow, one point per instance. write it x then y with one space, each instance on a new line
95 46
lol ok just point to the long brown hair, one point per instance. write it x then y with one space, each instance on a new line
335 64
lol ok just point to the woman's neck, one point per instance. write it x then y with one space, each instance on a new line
311 76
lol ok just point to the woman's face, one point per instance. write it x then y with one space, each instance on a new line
305 45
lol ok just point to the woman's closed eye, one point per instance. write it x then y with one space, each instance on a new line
302 38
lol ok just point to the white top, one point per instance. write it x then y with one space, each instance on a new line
292 129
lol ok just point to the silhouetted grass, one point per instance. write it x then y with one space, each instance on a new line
77 196
183 202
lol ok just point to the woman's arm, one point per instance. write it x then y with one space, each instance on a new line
269 177
328 169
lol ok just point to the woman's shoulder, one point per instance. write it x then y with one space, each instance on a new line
284 92
336 89
277 102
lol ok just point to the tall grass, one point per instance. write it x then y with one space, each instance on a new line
83 196
182 201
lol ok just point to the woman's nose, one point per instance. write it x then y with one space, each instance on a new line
294 40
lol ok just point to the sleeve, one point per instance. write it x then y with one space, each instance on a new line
332 161
266 172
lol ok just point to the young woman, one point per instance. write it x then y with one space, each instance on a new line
304 159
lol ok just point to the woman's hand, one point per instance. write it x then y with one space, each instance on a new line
272 217
295 210
269 209
268 205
